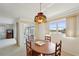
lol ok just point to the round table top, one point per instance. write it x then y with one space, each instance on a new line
47 48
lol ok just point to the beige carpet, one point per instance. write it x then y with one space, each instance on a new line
14 50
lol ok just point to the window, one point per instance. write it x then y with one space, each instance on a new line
58 26
61 26
52 27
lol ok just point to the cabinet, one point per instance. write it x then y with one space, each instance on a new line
9 33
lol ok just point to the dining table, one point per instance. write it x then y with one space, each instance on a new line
43 47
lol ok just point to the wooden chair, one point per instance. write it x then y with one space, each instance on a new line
48 38
31 37
34 53
28 48
58 49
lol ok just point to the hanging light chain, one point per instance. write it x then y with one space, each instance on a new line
40 17
40 7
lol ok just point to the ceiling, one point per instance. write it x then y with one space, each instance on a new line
27 11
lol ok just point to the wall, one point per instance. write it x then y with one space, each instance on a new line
71 44
20 31
4 20
41 30
3 28
77 27
20 34
7 42
5 23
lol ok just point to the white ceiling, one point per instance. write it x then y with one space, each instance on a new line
28 11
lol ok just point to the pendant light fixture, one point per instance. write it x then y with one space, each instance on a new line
40 17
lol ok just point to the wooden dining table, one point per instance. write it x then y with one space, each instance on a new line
47 48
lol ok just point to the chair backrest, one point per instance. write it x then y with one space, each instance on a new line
48 38
28 47
58 49
31 37
28 43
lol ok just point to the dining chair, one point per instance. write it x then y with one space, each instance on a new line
58 49
34 53
48 38
31 37
28 48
